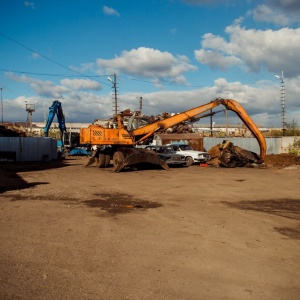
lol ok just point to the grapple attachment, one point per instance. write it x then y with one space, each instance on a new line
129 157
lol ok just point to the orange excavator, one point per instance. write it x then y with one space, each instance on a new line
119 140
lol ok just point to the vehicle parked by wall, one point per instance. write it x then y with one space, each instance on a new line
191 156
167 154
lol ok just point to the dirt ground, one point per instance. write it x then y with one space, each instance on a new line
70 232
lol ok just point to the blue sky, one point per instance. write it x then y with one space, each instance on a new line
176 54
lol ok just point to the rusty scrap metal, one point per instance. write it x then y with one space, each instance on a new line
233 156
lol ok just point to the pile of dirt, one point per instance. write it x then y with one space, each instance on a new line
282 160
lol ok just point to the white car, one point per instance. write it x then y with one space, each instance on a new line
191 156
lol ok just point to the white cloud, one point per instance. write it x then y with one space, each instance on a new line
253 49
281 12
149 63
42 88
264 13
81 84
209 2
110 11
84 67
29 4
261 101
35 55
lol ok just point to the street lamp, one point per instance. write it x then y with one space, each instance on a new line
282 101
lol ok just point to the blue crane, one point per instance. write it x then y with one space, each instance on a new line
56 109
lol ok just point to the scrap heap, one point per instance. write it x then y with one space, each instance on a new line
229 156
184 127
12 130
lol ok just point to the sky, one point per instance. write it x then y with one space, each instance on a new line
175 54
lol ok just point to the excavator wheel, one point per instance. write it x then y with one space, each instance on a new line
101 161
107 160
118 157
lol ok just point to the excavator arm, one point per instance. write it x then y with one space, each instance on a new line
144 132
55 109
239 110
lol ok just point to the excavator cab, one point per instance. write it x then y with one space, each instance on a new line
135 122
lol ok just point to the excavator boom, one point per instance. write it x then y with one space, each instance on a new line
55 109
118 139
144 132
239 110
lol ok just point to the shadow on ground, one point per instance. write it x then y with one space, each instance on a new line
10 180
287 208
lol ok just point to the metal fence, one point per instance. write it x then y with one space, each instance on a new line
274 145
28 149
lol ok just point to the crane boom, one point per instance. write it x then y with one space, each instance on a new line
144 132
122 138
55 109
239 110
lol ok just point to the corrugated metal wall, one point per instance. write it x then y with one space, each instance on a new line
193 139
251 144
30 148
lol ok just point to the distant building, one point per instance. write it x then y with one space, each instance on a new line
203 129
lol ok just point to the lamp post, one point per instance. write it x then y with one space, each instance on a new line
282 102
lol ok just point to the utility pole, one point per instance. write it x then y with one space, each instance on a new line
1 105
211 123
141 104
226 115
114 82
282 101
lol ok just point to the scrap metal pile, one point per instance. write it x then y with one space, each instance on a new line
184 127
12 130
229 156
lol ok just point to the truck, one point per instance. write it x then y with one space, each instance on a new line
118 141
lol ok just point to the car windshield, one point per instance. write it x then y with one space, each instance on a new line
185 147
164 150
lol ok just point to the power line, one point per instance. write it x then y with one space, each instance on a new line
51 60
48 74
95 76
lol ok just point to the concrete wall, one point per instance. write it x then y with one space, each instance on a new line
28 148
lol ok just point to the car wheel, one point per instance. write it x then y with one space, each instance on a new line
189 161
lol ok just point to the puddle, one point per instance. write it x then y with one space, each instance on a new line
119 203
